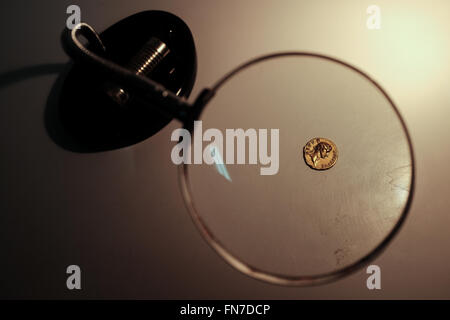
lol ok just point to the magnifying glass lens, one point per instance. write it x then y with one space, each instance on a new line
324 177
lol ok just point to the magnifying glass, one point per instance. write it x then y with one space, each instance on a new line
325 211
310 167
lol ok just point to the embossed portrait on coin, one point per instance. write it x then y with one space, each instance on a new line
320 151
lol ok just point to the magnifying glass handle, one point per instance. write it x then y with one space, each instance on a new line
146 89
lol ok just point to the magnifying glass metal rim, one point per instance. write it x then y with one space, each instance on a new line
277 278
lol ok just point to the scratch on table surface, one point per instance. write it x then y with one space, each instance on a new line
340 255
401 177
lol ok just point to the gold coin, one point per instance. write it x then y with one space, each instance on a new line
320 153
